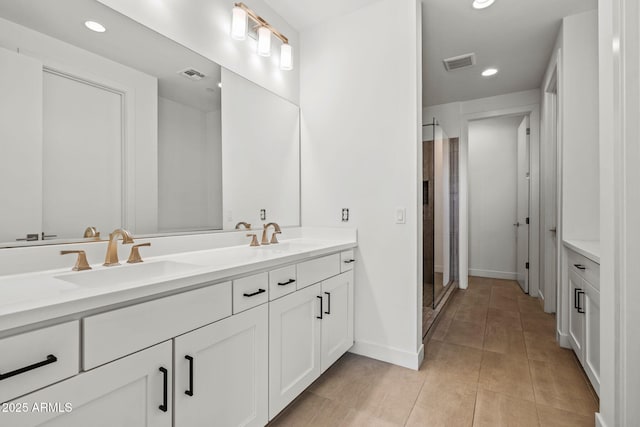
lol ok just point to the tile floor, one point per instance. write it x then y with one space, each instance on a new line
491 361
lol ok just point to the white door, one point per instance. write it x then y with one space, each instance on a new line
294 345
337 322
20 146
221 372
134 391
82 156
522 226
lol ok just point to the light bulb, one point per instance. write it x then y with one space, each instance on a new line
286 57
264 41
238 23
481 4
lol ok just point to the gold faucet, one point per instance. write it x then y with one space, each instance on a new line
112 248
246 225
91 232
81 262
276 230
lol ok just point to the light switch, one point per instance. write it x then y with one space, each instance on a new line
401 216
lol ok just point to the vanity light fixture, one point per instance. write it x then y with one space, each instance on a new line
241 14
95 26
482 4
490 72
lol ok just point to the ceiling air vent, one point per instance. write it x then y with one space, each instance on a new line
458 62
191 74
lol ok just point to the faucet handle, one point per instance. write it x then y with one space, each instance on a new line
81 262
274 239
254 239
134 256
91 232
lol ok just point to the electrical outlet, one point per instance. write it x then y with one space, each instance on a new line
345 215
263 214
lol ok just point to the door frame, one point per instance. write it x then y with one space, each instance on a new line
533 111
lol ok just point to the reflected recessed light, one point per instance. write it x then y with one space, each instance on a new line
490 72
481 4
95 26
220 84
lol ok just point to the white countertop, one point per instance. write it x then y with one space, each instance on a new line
587 248
36 297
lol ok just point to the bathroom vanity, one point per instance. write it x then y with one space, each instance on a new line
229 335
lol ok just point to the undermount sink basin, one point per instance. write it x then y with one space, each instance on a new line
127 273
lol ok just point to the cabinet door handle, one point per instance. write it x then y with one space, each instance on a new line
321 310
349 261
165 390
575 298
580 266
288 282
50 359
580 307
190 391
258 292
328 294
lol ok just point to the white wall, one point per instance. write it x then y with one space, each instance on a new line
360 97
260 153
189 147
493 182
204 27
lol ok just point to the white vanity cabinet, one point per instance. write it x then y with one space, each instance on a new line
308 331
134 391
221 372
584 314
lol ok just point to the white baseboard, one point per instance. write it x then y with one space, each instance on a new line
541 295
389 354
492 274
563 340
599 420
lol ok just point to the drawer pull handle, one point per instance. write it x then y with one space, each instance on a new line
165 390
258 292
328 303
190 391
580 266
580 308
50 359
288 282
349 261
320 317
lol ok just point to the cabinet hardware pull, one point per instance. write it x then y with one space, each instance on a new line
50 359
258 292
349 261
190 391
165 390
575 298
288 282
328 303
580 308
580 266
321 310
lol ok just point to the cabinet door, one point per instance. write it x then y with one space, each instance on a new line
134 391
576 315
294 345
221 372
591 361
337 322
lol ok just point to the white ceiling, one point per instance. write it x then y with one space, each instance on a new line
301 14
515 36
125 41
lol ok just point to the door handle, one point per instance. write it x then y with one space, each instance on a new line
30 238
190 391
517 224
575 298
321 310
328 303
258 292
580 308
49 360
165 390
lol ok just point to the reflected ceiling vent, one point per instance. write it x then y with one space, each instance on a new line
458 62
191 74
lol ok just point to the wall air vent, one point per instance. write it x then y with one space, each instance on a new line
191 74
458 62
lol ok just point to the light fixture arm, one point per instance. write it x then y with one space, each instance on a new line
262 22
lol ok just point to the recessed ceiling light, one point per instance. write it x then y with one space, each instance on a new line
481 4
490 72
95 26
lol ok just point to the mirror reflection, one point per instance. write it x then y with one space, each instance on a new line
126 128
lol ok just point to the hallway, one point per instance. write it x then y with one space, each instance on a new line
492 361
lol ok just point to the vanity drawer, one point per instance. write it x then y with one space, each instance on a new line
347 260
250 292
316 270
108 336
36 359
585 268
282 282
